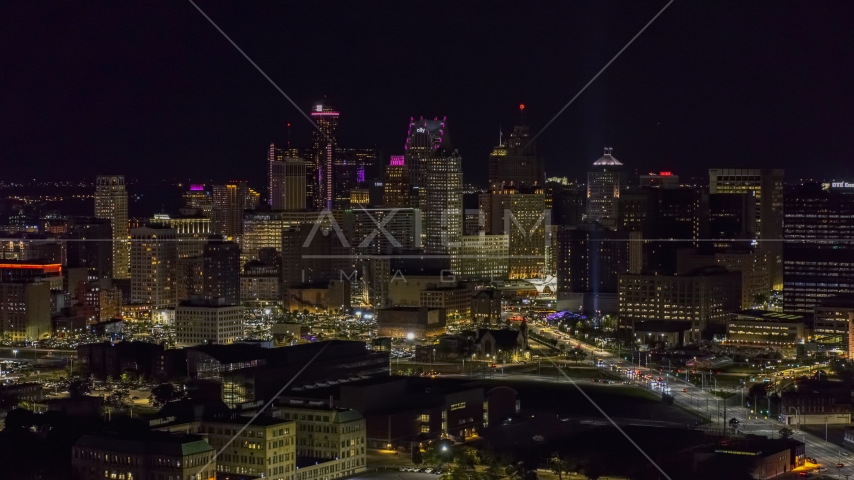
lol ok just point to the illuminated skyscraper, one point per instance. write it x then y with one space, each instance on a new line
359 197
323 145
668 219
590 260
264 229
425 139
436 173
222 272
111 203
280 179
350 168
401 228
396 185
229 202
287 184
818 256
192 230
154 259
514 161
199 199
604 183
766 185
443 202
520 214
95 252
480 257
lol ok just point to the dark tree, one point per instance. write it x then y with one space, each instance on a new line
78 388
19 419
756 394
163 394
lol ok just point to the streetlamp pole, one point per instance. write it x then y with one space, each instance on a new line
798 417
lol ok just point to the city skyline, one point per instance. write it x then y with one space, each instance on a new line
426 241
674 100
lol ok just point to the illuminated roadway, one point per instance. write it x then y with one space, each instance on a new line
696 399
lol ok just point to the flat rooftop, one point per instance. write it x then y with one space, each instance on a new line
769 316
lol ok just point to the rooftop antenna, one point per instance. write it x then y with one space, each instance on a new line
500 137
289 136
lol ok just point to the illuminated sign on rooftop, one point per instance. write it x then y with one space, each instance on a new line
826 186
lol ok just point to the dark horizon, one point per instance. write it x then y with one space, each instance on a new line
155 92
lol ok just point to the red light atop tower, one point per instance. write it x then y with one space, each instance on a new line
522 106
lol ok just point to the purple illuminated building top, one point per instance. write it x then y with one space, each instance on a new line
197 187
397 161
428 134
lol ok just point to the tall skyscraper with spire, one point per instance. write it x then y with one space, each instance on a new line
425 139
319 185
514 160
111 203
436 174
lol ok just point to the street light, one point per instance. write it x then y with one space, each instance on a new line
798 413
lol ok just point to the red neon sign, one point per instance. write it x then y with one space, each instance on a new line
49 268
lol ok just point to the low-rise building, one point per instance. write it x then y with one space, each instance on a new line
321 297
831 317
753 266
705 297
10 395
762 328
405 290
335 438
401 412
285 333
107 359
84 407
816 402
456 301
765 458
295 440
410 322
258 289
265 448
152 455
249 373
667 333
25 309
199 322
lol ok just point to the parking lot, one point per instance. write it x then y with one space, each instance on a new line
393 473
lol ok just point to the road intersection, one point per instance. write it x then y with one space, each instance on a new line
702 402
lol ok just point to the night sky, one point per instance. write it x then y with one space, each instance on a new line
151 90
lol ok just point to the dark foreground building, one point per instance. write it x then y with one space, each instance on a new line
401 412
249 373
